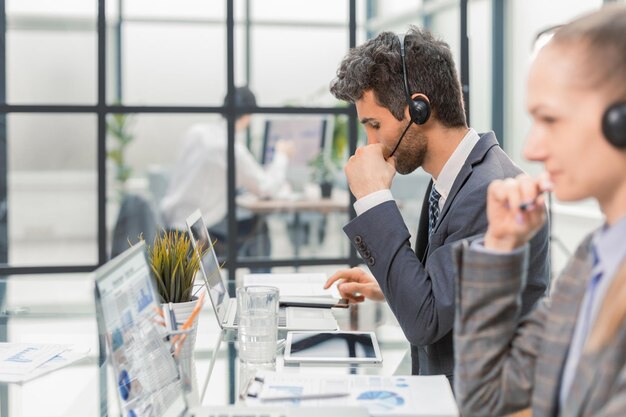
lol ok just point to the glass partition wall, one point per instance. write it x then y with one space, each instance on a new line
97 97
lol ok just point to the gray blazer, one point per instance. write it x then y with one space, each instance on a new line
419 288
504 364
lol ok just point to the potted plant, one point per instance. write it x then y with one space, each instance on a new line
323 172
174 264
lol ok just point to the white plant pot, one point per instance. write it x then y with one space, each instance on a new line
186 355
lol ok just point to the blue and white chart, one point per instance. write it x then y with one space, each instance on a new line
401 396
381 401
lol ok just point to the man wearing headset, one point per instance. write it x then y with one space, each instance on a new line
409 100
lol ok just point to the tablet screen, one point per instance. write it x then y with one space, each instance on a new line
332 346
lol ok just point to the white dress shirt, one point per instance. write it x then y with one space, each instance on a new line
443 183
199 178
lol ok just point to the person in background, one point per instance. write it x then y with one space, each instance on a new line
199 180
408 98
568 357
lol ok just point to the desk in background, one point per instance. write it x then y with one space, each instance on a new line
299 205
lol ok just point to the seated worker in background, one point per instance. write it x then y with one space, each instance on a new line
427 105
568 357
199 180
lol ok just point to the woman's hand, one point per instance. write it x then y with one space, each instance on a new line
515 211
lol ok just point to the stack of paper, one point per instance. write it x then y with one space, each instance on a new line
397 396
21 362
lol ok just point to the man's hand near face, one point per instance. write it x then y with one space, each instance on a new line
367 170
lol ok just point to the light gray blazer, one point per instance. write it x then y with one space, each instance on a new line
419 287
504 364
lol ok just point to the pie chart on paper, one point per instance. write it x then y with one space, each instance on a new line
380 401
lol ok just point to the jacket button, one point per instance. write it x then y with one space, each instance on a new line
371 261
367 253
358 240
362 247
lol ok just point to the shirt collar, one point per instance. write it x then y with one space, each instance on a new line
610 248
444 182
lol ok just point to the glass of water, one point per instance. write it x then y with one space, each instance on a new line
258 324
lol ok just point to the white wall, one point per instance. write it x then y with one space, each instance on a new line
524 20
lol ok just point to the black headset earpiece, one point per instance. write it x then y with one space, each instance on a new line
614 125
419 106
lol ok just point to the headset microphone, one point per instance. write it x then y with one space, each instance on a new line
400 140
419 107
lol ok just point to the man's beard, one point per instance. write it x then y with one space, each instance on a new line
412 151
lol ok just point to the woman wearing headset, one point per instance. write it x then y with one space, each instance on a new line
567 357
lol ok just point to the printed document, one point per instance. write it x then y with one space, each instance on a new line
401 396
20 362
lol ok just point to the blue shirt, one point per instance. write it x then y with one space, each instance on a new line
610 249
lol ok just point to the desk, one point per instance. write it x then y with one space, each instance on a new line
310 201
61 309
337 203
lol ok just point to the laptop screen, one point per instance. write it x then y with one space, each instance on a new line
209 265
145 371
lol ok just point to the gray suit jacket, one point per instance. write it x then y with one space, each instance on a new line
504 364
420 289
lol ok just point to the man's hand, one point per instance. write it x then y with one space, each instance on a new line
356 285
367 170
515 211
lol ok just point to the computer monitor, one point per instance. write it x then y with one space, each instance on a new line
307 135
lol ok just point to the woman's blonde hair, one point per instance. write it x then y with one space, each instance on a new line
603 35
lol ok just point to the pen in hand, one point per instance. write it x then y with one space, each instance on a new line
529 205
544 185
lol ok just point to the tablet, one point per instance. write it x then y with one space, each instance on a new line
313 302
332 347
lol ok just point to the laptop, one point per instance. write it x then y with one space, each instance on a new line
146 374
225 307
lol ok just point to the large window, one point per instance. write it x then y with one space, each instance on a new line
100 96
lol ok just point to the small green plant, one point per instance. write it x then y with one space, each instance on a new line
323 171
174 264
118 128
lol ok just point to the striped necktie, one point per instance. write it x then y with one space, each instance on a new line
433 209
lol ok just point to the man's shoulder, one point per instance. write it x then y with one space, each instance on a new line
495 163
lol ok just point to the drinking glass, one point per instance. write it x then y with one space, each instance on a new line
258 324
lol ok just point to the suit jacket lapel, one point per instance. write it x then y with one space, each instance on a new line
421 241
587 373
595 370
565 304
486 142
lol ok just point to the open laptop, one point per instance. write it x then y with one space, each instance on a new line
146 374
290 318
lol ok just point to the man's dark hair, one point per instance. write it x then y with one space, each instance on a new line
244 97
376 65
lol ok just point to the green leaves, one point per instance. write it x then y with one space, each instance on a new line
174 264
118 129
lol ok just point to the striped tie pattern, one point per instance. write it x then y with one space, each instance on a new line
433 209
